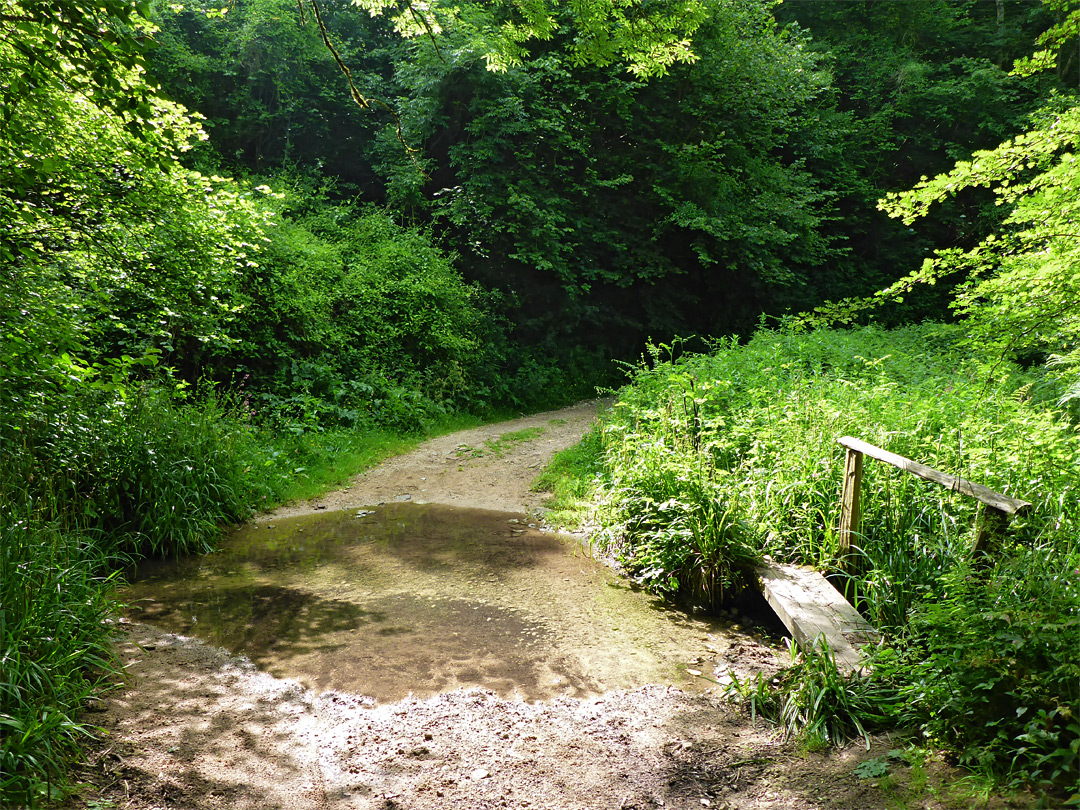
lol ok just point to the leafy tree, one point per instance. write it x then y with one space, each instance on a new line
58 89
918 86
650 39
609 208
120 253
1021 291
95 47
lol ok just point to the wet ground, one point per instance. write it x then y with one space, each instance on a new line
422 599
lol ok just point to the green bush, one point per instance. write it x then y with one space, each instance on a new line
154 472
816 703
983 660
351 319
991 669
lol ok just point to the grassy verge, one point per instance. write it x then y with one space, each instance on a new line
107 475
55 650
571 479
713 460
302 465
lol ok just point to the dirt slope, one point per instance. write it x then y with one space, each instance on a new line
198 728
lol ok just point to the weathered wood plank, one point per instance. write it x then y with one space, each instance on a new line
996 500
850 511
811 608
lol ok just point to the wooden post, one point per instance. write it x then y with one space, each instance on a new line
849 501
992 528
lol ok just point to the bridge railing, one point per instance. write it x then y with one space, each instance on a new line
999 508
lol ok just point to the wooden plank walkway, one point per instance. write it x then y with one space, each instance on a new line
811 608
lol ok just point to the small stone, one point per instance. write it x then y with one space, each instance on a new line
479 774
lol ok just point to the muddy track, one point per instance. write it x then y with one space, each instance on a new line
198 728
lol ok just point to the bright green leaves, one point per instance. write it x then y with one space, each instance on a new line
95 47
110 248
650 40
1054 40
1022 294
1019 286
1010 169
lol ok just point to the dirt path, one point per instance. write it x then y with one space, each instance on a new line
490 467
198 728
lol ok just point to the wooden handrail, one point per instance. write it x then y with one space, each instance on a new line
995 499
999 506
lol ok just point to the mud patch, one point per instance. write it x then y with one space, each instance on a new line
410 599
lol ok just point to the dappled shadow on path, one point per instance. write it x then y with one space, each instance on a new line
194 727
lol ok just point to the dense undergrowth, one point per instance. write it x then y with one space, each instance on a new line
711 461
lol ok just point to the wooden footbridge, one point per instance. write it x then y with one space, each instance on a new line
812 609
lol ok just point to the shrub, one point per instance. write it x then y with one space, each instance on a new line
55 645
816 703
983 661
351 319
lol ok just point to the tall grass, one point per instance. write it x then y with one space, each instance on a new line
103 473
738 447
814 701
55 648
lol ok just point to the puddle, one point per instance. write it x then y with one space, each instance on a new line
422 599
